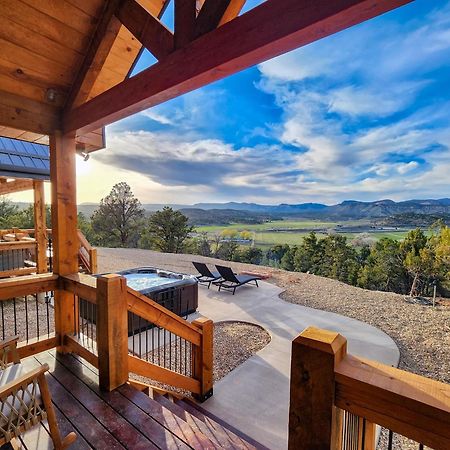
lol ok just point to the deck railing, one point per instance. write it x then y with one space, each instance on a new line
26 310
16 257
150 340
338 399
112 326
19 257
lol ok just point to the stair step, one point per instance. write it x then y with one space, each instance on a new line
206 416
179 427
220 434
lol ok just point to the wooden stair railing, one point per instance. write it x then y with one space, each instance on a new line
169 349
134 334
87 255
338 399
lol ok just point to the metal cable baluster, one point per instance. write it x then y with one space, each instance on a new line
37 316
159 346
164 351
391 438
26 316
15 315
3 320
47 303
146 344
140 336
363 438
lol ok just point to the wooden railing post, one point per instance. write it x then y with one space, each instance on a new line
64 228
314 421
40 226
112 331
93 260
202 358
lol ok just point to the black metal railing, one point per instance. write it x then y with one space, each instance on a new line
29 317
50 254
355 436
159 346
85 319
14 259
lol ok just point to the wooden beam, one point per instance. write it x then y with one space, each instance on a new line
64 227
233 10
28 115
185 15
249 39
212 13
40 226
15 186
101 44
146 28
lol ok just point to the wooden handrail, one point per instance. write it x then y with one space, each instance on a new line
151 311
409 404
17 245
88 260
149 370
325 380
81 284
28 284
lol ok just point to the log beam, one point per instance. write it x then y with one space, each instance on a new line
40 226
217 55
212 13
146 28
101 44
8 187
185 16
64 227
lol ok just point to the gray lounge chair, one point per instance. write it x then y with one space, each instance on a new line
205 275
231 281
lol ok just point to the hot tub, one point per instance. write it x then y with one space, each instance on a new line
177 292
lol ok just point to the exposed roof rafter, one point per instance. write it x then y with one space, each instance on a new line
244 41
212 13
185 17
101 44
146 28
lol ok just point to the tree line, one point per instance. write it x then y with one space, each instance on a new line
411 266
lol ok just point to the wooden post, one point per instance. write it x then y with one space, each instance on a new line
93 260
112 331
64 228
203 358
314 421
40 226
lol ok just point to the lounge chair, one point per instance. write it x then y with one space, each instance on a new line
205 275
25 398
231 281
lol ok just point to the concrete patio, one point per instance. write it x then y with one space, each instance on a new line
255 396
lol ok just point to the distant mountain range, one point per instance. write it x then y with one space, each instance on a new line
349 209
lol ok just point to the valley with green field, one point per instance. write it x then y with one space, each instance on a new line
292 232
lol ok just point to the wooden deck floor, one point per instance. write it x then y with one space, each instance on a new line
104 420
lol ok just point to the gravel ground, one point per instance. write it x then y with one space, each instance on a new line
234 343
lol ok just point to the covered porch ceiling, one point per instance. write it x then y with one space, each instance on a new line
65 65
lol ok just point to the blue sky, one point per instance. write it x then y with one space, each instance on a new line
363 114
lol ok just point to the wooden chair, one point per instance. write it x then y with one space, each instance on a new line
25 398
